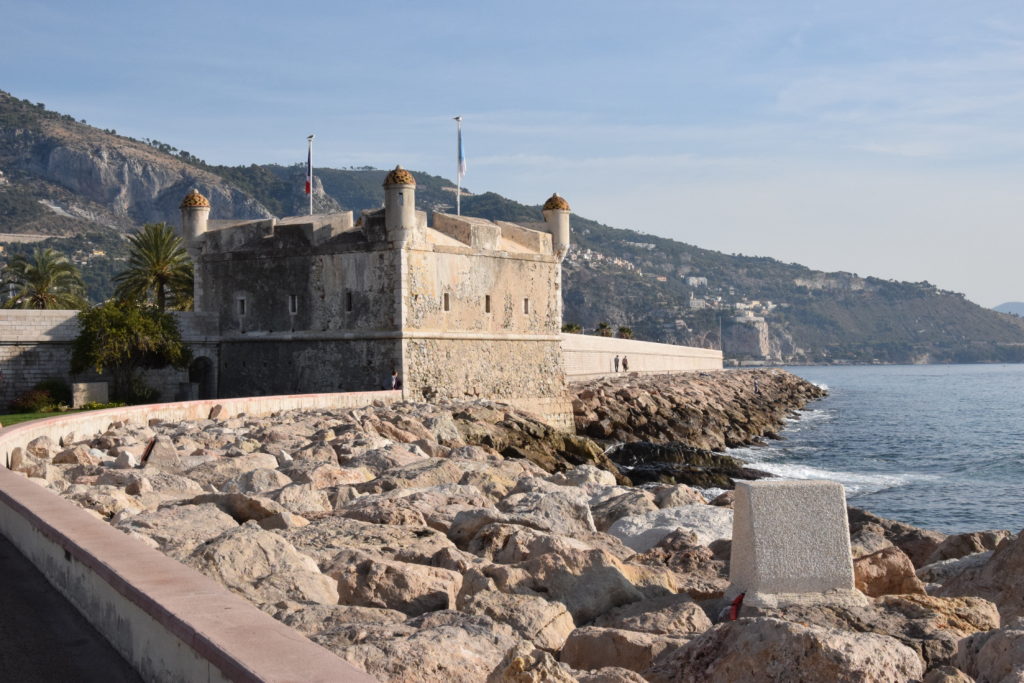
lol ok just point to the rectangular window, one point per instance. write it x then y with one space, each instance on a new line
348 301
487 303
445 304
241 306
293 304
526 306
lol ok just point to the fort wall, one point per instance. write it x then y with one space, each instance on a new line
589 356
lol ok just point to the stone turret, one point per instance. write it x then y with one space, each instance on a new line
195 216
399 204
556 216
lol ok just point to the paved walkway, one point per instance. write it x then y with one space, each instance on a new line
44 638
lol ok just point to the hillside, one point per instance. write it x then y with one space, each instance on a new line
87 187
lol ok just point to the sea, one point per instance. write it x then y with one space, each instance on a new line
936 446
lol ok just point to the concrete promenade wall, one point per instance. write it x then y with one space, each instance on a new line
168 620
589 356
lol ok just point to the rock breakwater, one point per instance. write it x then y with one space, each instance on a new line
709 411
468 542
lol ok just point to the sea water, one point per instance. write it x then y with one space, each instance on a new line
937 446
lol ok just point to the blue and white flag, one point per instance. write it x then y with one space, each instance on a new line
462 154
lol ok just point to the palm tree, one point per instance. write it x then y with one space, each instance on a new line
603 330
625 332
45 280
572 328
159 269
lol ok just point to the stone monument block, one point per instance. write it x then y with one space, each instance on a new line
789 538
88 392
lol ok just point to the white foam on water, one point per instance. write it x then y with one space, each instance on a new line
855 483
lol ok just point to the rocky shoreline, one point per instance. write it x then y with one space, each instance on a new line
469 541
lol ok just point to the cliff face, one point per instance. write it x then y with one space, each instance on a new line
74 170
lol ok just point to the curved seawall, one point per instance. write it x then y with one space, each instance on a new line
167 620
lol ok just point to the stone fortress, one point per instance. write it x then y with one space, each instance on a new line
465 308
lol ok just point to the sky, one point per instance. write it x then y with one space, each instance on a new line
880 138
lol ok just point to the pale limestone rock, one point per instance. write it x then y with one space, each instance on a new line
583 475
942 572
105 500
527 664
546 624
995 656
138 485
886 572
178 530
218 472
263 567
997 580
310 619
439 646
240 506
382 510
41 448
162 455
677 496
591 647
589 583
770 650
635 502
643 532
947 674
329 536
610 674
257 481
960 545
302 499
76 455
560 512
669 615
375 582
511 543
324 475
126 460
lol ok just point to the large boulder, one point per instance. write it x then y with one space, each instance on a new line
961 545
178 530
886 572
633 502
257 481
995 656
643 532
263 567
561 512
589 583
410 588
218 472
918 544
546 624
771 650
669 615
702 570
997 580
439 646
592 647
331 535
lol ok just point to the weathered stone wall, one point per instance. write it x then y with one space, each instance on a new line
289 365
483 368
469 277
587 356
267 278
36 345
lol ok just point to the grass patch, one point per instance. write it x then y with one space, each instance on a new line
15 418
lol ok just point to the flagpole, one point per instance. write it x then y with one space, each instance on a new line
309 160
458 169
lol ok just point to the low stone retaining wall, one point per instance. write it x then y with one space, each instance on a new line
588 356
169 621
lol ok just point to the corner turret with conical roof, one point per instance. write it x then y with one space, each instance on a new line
556 217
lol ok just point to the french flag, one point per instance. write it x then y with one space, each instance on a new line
309 169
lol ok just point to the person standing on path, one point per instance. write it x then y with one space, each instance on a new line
625 364
616 362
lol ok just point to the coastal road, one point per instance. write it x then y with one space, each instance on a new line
44 638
